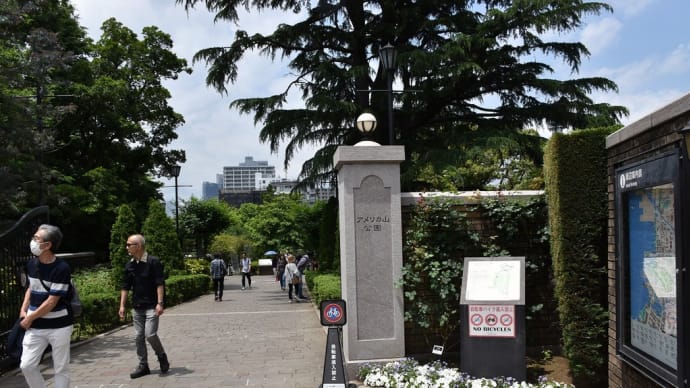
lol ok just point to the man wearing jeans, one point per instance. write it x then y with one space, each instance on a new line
44 314
144 277
218 272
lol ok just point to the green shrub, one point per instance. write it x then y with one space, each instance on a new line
162 240
101 303
323 286
578 221
197 266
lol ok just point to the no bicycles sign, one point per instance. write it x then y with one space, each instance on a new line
491 320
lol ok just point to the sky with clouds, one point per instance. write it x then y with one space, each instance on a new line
643 46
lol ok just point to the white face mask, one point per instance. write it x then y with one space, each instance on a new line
35 247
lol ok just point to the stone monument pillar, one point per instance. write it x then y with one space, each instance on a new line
370 252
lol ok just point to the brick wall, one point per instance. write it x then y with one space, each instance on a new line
654 134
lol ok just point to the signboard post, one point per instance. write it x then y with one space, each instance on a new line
333 314
492 318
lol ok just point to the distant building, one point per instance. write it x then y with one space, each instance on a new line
237 198
210 190
243 178
247 182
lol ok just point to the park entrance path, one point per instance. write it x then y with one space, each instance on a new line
253 338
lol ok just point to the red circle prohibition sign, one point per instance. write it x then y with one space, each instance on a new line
491 319
477 319
333 312
506 319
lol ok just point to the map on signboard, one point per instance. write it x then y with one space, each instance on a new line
490 280
652 272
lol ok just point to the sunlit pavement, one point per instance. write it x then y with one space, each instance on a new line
253 338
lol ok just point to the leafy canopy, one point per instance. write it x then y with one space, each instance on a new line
466 71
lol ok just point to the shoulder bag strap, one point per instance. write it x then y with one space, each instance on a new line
38 272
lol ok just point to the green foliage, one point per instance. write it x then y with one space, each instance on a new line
85 126
514 221
506 161
180 288
452 54
281 223
328 252
161 239
39 40
197 266
229 246
124 226
323 287
202 220
100 302
578 211
437 239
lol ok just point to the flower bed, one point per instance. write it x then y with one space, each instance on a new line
410 374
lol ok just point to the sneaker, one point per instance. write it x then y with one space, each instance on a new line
292 301
243 288
142 370
165 365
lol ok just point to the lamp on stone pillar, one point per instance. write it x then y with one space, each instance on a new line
685 132
175 171
387 55
366 123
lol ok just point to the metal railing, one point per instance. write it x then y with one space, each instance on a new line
14 254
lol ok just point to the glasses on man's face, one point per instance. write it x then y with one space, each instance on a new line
131 244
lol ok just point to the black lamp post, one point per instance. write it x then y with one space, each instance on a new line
175 170
387 56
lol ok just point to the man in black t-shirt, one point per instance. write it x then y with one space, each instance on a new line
144 277
44 314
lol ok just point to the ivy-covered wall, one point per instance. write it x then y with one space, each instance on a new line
440 229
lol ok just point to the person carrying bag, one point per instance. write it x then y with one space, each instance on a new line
292 273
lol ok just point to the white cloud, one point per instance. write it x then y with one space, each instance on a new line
599 35
677 62
630 8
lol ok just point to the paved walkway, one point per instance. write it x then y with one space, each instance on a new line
253 338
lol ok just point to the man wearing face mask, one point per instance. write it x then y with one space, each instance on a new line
144 276
45 313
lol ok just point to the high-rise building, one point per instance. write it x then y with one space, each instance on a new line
243 178
209 190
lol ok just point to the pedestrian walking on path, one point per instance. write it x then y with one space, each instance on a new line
249 341
144 277
246 264
218 272
44 315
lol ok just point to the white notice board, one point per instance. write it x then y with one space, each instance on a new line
493 280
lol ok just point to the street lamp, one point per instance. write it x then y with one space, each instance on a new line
175 170
366 123
387 56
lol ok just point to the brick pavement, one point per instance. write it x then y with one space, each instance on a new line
253 338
